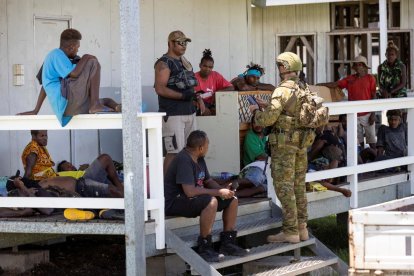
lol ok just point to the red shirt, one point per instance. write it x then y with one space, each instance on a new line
214 82
359 88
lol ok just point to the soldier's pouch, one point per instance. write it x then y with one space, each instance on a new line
272 139
295 137
285 122
308 138
281 139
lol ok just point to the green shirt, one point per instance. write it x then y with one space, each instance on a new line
254 146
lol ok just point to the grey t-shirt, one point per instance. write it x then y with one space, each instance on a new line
393 140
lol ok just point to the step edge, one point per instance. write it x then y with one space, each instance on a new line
262 254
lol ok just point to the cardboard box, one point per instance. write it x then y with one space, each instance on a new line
329 94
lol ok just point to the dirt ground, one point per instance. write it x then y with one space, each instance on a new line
82 255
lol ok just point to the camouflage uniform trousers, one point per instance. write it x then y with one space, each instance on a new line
289 165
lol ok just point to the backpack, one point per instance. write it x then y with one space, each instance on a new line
309 110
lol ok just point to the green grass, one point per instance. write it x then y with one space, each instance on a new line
333 235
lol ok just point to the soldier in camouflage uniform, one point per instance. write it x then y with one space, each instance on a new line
288 149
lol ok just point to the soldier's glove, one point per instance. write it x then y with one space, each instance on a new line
187 96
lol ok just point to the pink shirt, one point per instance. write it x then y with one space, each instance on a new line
359 89
213 83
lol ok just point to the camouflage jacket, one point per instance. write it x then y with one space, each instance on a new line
283 102
390 77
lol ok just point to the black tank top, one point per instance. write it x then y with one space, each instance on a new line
180 80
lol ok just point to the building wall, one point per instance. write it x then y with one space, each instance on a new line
407 16
269 22
220 25
407 22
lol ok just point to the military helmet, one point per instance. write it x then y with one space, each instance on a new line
290 61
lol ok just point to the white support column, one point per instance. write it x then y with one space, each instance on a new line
352 156
383 27
410 126
132 137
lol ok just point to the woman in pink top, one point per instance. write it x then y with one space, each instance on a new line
209 82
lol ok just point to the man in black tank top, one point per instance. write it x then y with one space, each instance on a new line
174 84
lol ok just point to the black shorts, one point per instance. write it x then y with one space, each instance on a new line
192 207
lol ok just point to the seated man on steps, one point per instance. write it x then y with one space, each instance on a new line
190 192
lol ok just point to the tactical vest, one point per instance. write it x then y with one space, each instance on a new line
180 80
302 113
303 110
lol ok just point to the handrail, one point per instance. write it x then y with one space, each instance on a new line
351 108
154 201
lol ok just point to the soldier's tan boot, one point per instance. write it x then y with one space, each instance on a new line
303 232
282 237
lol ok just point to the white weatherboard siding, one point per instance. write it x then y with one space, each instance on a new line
220 25
215 24
407 22
270 22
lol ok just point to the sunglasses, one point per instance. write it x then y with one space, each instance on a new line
181 43
359 64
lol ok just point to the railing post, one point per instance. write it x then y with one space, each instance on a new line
156 178
410 126
352 156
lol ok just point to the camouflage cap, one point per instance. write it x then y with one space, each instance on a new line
290 61
178 36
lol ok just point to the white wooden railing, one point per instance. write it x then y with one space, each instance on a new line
154 201
353 168
224 147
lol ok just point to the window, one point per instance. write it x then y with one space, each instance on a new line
355 32
303 45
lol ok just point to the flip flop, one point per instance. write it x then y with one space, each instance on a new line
104 110
112 214
76 214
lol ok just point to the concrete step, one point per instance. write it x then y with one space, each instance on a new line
305 264
247 207
247 227
262 251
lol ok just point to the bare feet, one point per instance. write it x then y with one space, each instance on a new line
100 108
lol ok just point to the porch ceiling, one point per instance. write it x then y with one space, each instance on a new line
267 3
